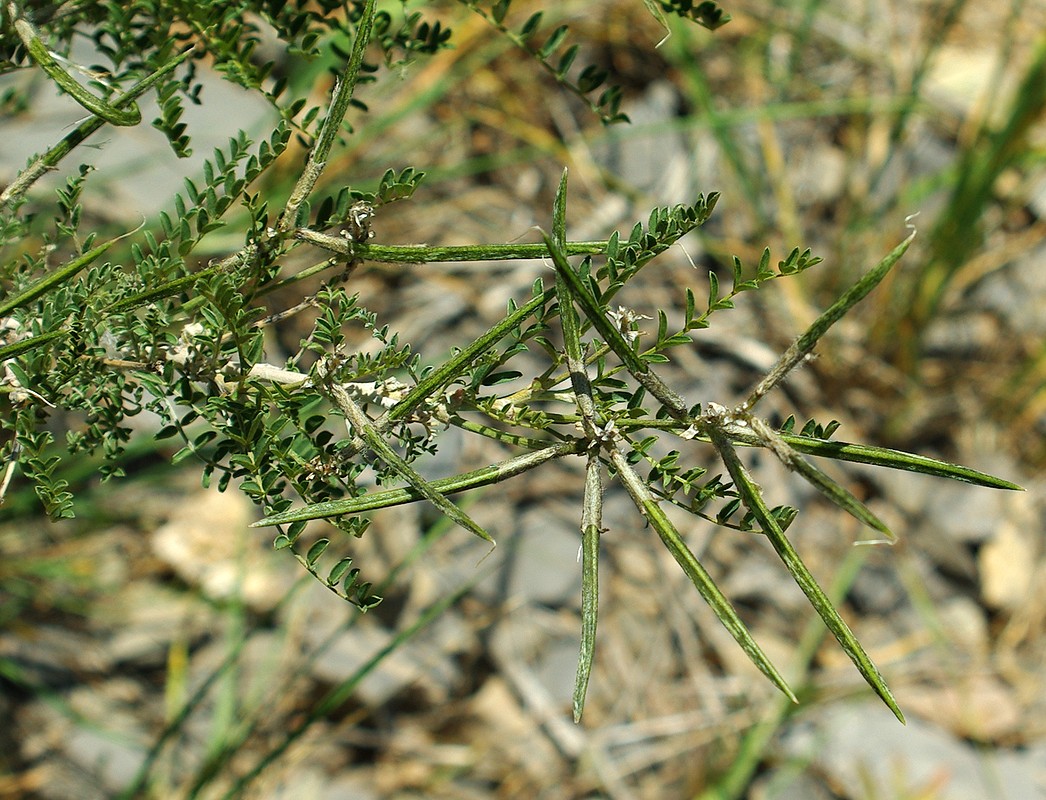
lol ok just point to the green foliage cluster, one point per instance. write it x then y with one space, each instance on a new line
90 343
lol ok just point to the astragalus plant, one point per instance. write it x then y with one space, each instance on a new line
95 332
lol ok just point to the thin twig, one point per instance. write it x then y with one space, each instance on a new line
340 97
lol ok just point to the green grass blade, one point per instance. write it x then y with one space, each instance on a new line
751 496
959 228
338 695
682 52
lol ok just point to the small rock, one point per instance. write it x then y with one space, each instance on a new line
958 77
208 544
818 173
878 589
427 659
966 625
114 763
1037 197
1007 564
544 562
49 656
650 155
785 784
144 618
872 755
510 733
962 335
1016 293
95 732
972 706
355 786
537 653
757 578
965 514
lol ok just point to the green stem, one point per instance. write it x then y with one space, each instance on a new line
43 164
592 510
752 497
372 501
841 451
56 278
802 346
365 428
591 529
111 113
331 128
423 254
712 594
733 784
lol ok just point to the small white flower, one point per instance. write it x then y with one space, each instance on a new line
21 394
716 411
359 215
390 391
11 331
624 320
608 433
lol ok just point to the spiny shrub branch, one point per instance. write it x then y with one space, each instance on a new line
331 431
